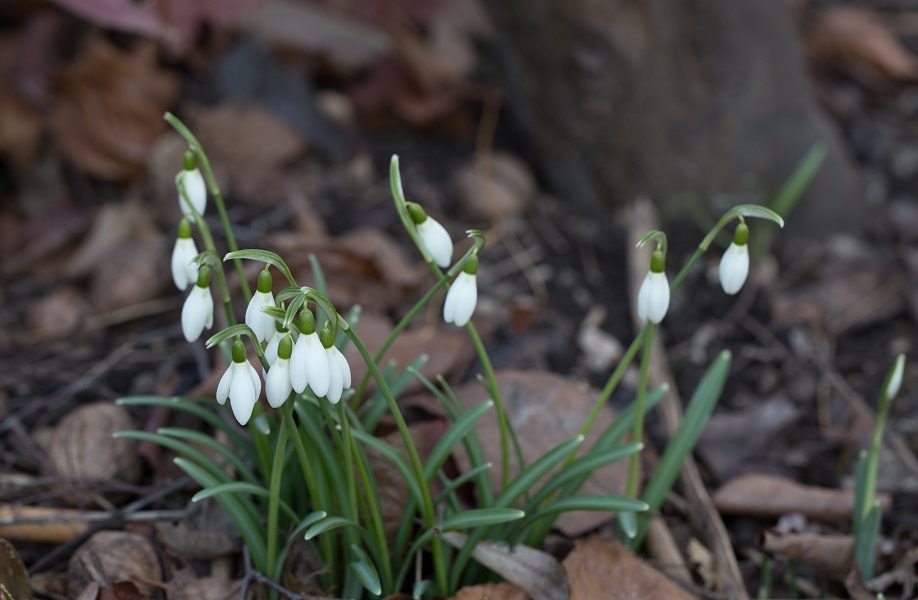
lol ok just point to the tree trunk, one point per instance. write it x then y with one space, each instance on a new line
676 100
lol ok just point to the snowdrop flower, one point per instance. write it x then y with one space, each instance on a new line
895 377
433 235
338 370
309 361
277 383
653 297
192 181
734 266
462 295
184 271
277 334
241 384
198 310
255 318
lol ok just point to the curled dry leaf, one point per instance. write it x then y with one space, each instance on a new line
603 568
114 556
82 446
194 544
108 108
14 580
831 554
767 496
852 38
545 410
491 591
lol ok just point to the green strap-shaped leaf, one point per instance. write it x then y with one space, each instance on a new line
480 517
457 431
395 458
242 487
265 256
327 524
365 571
194 406
231 332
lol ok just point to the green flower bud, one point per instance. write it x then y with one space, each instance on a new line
307 322
326 336
184 229
265 283
471 265
741 234
285 347
190 161
657 262
417 213
238 351
204 276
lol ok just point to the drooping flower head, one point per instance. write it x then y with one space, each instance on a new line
653 297
191 180
434 237
462 295
184 271
309 361
278 332
259 321
198 310
339 372
241 384
734 265
277 383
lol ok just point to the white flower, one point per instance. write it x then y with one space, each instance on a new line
184 271
653 297
261 323
196 190
242 386
436 241
198 310
339 374
309 365
461 299
734 267
895 378
271 348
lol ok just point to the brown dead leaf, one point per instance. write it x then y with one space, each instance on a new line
139 271
491 591
190 543
83 447
767 496
603 568
113 226
545 410
57 314
495 187
114 556
852 38
185 585
123 590
108 109
14 579
20 130
830 554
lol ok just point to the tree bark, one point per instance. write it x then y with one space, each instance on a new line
676 100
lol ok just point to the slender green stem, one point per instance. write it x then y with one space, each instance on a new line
609 388
208 174
637 434
277 473
427 508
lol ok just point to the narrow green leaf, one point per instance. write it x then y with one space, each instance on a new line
306 523
755 211
231 332
593 502
652 235
292 309
395 457
860 492
452 486
265 256
535 471
627 521
192 406
241 487
275 312
326 525
212 444
480 517
419 589
457 431
365 572
866 544
696 417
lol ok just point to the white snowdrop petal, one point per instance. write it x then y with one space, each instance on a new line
183 270
277 384
256 380
197 313
271 348
317 366
642 298
242 397
466 298
261 323
658 297
345 368
298 361
335 377
223 388
196 190
734 268
436 241
895 380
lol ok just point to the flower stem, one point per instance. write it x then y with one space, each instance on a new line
277 473
637 434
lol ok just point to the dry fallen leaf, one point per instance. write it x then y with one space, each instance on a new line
767 496
830 554
490 591
108 108
20 130
185 585
494 187
114 556
545 410
83 447
851 38
14 580
603 568
190 543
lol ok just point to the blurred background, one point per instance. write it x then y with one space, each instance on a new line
563 129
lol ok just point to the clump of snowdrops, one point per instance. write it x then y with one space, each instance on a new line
296 468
